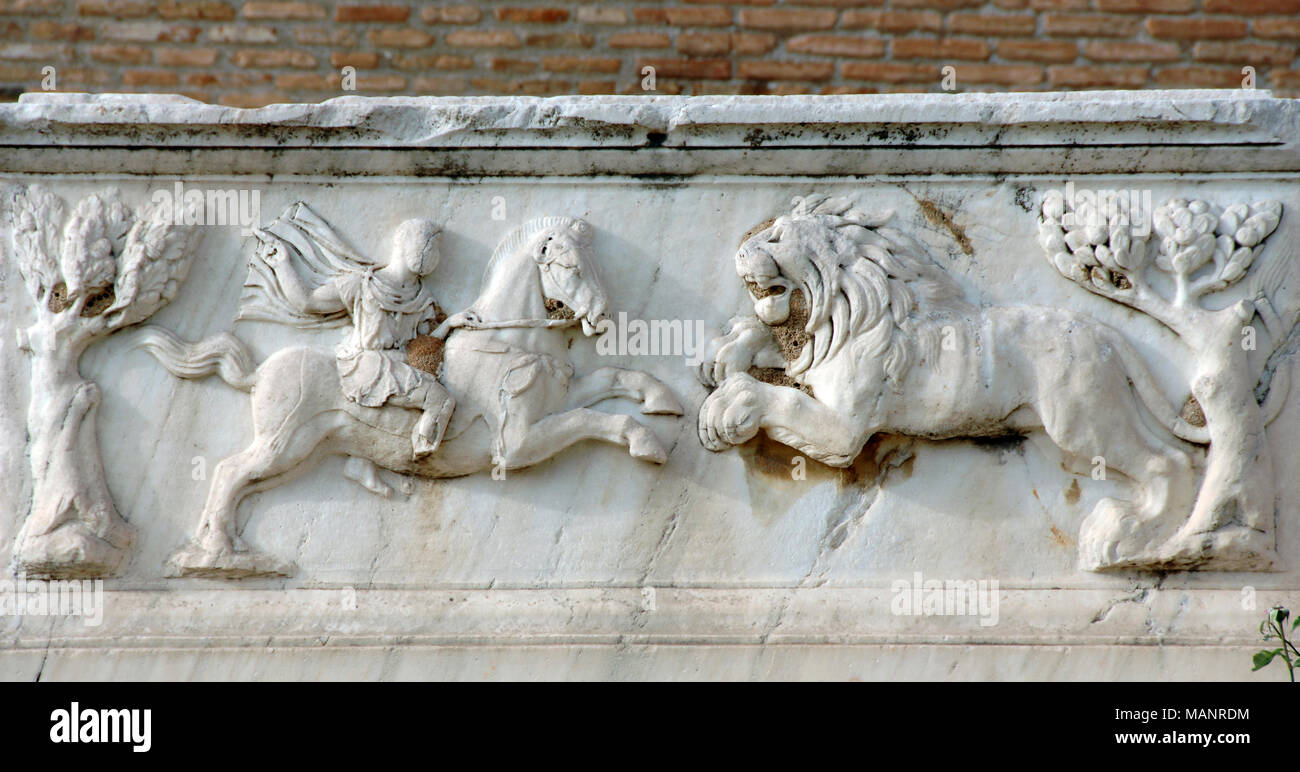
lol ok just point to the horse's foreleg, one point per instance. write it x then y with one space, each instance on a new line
612 382
543 439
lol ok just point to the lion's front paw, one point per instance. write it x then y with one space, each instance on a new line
731 415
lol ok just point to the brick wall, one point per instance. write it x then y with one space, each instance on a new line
252 53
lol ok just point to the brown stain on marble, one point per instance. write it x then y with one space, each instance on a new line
1072 493
770 467
938 217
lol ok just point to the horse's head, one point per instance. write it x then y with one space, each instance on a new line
561 247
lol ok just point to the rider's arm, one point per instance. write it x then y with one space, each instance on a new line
324 300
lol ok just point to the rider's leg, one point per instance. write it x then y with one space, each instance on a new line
437 404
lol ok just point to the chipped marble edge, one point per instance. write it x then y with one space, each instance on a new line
1233 117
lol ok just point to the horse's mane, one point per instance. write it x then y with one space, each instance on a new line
871 286
517 238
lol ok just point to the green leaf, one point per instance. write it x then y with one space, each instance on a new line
1262 658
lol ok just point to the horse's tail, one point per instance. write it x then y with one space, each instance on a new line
223 354
1151 395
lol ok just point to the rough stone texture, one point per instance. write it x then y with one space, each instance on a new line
595 564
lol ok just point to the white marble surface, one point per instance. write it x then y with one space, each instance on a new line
594 564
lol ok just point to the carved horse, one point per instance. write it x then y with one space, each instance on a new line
504 360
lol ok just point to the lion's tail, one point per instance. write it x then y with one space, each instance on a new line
222 354
1152 397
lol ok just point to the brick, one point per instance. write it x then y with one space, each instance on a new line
1196 29
452 14
999 74
704 43
1125 76
1038 50
1244 53
525 87
1148 6
532 15
892 21
381 83
1058 5
1285 78
1241 7
12 30
41 52
263 57
367 60
588 64
308 81
148 32
767 69
118 8
31 7
119 54
53 30
186 57
241 33
273 10
517 66
482 38
158 78
698 17
1127 51
592 87
325 36
837 45
400 37
889 72
432 62
600 15
379 13
687 68
735 2
559 40
839 3
647 15
1277 28
1211 77
1074 25
229 79
945 5
786 19
935 48
639 40
752 43
84 76
440 85
196 9
992 24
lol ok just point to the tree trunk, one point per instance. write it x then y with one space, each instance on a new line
1232 523
73 530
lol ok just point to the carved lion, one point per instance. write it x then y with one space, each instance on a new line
888 344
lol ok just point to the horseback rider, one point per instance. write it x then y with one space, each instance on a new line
387 307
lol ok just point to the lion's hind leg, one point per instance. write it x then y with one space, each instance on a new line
1120 533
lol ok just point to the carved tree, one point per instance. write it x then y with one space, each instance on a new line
1200 249
103 268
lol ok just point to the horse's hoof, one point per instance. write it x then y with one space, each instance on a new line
661 403
644 445
192 561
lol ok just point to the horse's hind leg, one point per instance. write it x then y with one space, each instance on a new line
539 441
611 382
217 549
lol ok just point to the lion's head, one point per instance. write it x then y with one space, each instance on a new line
863 284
